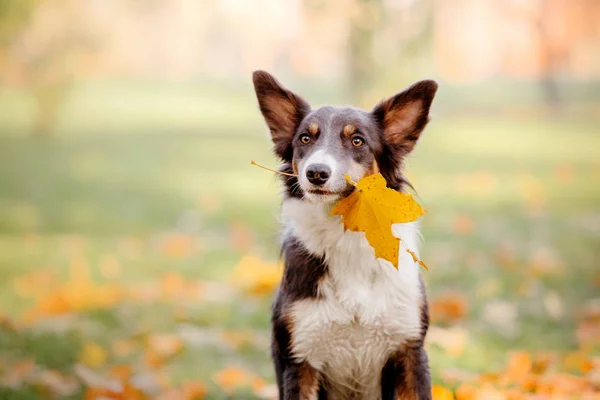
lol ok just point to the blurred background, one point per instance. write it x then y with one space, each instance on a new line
138 247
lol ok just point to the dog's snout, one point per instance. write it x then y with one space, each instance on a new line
318 174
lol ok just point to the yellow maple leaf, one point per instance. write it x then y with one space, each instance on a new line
373 209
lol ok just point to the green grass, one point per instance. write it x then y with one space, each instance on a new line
529 187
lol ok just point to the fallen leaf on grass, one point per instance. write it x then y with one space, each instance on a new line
466 392
232 378
99 387
173 285
193 390
441 393
528 377
78 293
519 365
256 276
177 245
373 208
160 348
578 361
449 308
129 392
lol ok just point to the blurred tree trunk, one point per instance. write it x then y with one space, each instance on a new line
42 44
550 56
49 98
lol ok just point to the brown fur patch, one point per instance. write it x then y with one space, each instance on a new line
415 382
373 170
313 128
399 122
349 129
294 167
288 322
308 381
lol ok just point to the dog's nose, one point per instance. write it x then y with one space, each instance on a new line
318 174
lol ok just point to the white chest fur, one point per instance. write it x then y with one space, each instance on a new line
366 309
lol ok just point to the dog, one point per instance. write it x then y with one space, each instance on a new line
345 325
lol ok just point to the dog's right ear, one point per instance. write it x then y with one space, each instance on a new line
283 111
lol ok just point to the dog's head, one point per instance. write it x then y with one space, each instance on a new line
324 144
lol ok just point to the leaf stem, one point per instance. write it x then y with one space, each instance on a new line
350 180
272 170
416 259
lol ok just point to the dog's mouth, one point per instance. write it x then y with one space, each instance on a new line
321 192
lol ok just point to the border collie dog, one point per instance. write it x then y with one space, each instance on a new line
346 325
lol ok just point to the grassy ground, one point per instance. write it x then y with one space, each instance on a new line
127 247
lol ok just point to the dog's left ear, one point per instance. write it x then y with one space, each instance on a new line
403 116
282 109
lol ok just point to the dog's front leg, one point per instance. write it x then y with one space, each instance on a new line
300 382
406 375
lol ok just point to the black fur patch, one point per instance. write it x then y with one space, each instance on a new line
303 271
301 276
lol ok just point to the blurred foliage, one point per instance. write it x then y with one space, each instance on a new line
14 15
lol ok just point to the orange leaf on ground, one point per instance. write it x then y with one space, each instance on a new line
441 393
578 361
256 276
178 245
519 365
193 390
373 208
129 392
232 378
466 392
160 348
448 308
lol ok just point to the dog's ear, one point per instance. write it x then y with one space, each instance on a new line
283 111
403 116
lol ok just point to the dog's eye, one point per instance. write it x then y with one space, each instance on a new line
305 139
358 141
